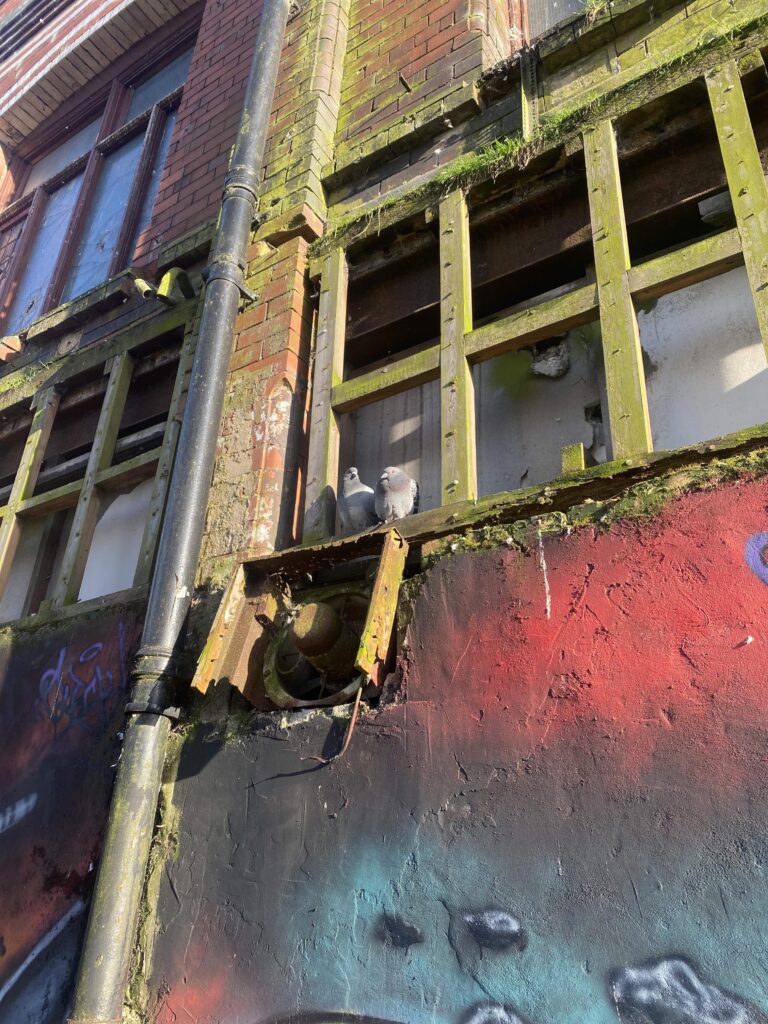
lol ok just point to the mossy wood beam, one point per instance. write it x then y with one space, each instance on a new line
598 483
527 326
746 181
625 380
67 586
25 380
574 460
165 461
696 262
457 394
54 500
26 478
128 473
401 375
323 458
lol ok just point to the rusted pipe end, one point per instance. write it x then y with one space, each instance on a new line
315 629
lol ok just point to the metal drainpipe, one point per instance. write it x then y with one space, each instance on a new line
105 960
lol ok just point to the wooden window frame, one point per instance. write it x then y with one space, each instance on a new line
612 301
113 99
102 474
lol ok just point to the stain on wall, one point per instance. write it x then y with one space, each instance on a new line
62 693
564 821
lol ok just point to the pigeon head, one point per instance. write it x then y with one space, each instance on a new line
352 474
392 478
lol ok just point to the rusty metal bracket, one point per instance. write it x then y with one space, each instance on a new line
377 632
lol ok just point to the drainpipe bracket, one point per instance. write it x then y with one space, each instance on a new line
148 708
223 270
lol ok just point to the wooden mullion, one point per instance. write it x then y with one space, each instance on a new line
457 392
115 107
149 149
67 586
16 173
625 379
324 438
165 462
26 478
746 181
28 232
74 231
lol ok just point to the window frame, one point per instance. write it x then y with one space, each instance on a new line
101 474
611 300
109 105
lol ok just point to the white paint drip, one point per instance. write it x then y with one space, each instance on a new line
74 911
543 566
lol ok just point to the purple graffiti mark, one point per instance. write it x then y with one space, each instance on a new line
77 690
670 991
756 555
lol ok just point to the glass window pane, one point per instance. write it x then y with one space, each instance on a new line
105 218
74 146
43 253
8 239
154 181
161 84
704 361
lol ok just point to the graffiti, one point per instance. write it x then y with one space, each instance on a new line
396 931
756 555
491 1013
13 815
671 992
62 692
496 929
499 855
78 690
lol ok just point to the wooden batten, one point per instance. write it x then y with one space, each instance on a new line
746 181
457 397
627 400
323 458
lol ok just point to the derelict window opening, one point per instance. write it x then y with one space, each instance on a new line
527 250
532 402
394 309
142 426
672 174
704 361
400 430
14 429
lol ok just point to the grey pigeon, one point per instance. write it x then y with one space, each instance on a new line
356 505
397 495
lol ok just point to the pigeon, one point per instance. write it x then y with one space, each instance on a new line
356 504
397 495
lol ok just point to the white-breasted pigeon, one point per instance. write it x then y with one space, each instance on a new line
397 495
356 503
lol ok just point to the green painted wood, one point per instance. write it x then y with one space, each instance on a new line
746 181
400 375
457 393
699 261
573 458
26 478
555 316
625 380
323 457
70 576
